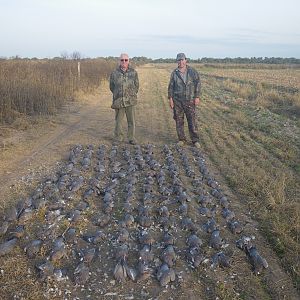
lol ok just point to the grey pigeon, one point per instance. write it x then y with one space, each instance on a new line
194 241
7 246
25 216
228 214
235 226
195 256
146 254
45 269
33 248
122 252
70 235
131 272
123 236
87 255
224 202
244 243
3 228
18 232
215 240
257 261
220 259
168 239
146 238
128 220
120 272
94 238
144 271
81 274
210 225
11 214
183 209
169 255
165 275
102 220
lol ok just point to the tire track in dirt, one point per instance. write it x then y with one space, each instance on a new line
154 118
88 122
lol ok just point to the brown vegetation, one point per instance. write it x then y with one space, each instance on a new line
41 87
252 134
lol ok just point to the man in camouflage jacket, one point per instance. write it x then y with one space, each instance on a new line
183 94
124 84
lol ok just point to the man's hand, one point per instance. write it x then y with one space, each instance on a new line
197 101
171 103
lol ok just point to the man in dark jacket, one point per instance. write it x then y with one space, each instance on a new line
183 94
124 84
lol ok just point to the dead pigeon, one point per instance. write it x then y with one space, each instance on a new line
228 214
45 269
183 209
244 243
87 255
102 220
195 256
146 254
81 274
146 238
165 275
215 240
128 220
18 232
3 228
168 239
123 236
220 259
119 272
144 271
210 225
235 226
70 235
257 261
169 255
194 241
7 246
25 216
224 202
33 248
11 214
122 252
94 238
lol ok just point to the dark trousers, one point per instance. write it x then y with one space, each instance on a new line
188 109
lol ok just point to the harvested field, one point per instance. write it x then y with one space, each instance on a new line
74 190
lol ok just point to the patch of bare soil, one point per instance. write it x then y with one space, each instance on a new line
99 213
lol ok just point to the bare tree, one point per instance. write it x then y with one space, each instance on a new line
76 55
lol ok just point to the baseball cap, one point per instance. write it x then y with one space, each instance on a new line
180 56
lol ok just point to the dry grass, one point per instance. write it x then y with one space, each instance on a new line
256 146
30 88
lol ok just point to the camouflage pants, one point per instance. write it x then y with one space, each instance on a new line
129 111
188 109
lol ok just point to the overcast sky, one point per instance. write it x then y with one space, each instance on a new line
151 28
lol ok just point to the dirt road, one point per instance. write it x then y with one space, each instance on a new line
28 157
